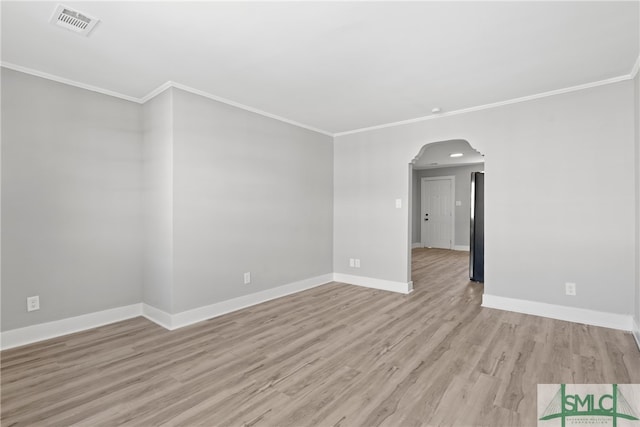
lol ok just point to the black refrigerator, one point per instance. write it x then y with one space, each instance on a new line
476 243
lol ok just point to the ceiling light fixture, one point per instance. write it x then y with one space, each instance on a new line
436 110
456 155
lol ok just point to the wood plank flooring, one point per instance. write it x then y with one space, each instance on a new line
336 355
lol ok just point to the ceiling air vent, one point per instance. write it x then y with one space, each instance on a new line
71 19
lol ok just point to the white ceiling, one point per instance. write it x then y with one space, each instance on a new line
334 66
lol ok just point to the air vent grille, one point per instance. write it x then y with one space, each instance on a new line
74 19
78 22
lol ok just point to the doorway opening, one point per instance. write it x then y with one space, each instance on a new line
441 198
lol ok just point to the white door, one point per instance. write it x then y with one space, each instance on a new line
437 212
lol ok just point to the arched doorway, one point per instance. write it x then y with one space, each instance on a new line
441 198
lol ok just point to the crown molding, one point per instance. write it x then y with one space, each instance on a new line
489 106
216 98
69 82
157 91
170 84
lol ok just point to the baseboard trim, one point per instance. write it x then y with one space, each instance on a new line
157 316
44 331
189 317
560 312
636 332
369 282
454 248
214 310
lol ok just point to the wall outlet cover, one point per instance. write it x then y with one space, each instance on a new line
570 288
33 303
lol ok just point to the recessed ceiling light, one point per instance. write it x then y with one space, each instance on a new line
456 155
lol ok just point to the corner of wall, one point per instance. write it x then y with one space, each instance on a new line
157 177
636 331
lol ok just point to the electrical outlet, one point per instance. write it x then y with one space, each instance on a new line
570 288
33 303
352 262
247 278
357 263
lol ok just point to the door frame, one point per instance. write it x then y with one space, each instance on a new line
452 232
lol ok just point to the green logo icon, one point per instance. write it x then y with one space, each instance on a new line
613 405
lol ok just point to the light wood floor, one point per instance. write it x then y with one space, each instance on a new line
336 355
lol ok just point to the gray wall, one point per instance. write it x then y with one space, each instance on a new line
71 210
559 196
107 203
462 194
637 130
157 196
251 194
77 170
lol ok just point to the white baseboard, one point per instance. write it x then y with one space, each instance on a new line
43 331
207 312
454 248
571 314
369 282
56 328
189 317
636 332
157 316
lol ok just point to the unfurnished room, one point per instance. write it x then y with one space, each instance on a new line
320 213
